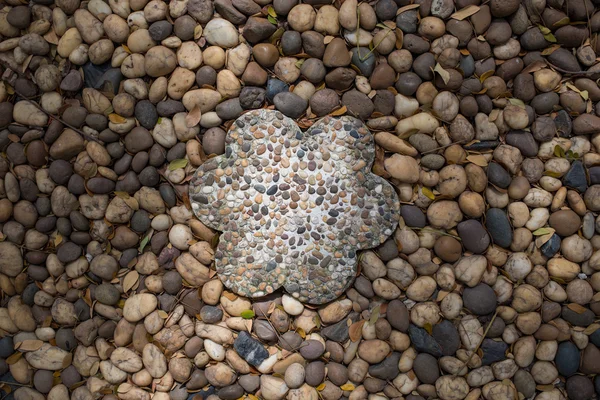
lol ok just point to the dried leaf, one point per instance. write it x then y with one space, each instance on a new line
193 117
321 387
301 332
428 327
58 239
550 50
399 38
176 164
591 329
247 314
355 330
543 231
126 48
327 39
30 345
340 111
271 12
578 308
130 280
541 240
544 30
230 296
553 174
516 102
445 75
562 22
14 358
116 118
122 195
163 314
584 94
124 388
428 193
348 387
559 151
465 12
197 32
478 159
374 315
406 8
272 20
486 75
550 38
144 242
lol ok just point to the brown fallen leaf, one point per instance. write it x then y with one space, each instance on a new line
465 12
355 330
193 117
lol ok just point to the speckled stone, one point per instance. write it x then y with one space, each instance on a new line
294 207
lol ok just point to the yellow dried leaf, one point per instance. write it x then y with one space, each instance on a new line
321 387
197 32
562 22
271 12
486 75
347 387
340 111
230 296
591 329
116 118
14 358
130 280
58 239
327 39
301 332
163 314
544 30
478 159
584 94
428 327
465 12
126 49
428 193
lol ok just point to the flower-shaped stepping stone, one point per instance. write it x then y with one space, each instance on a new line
293 207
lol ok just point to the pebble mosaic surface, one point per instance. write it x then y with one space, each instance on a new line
293 207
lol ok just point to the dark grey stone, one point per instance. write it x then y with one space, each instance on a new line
250 349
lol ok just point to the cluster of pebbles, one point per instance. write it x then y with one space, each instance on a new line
486 121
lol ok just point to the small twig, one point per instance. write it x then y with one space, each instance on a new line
277 333
442 147
85 135
374 47
435 231
480 342
564 71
